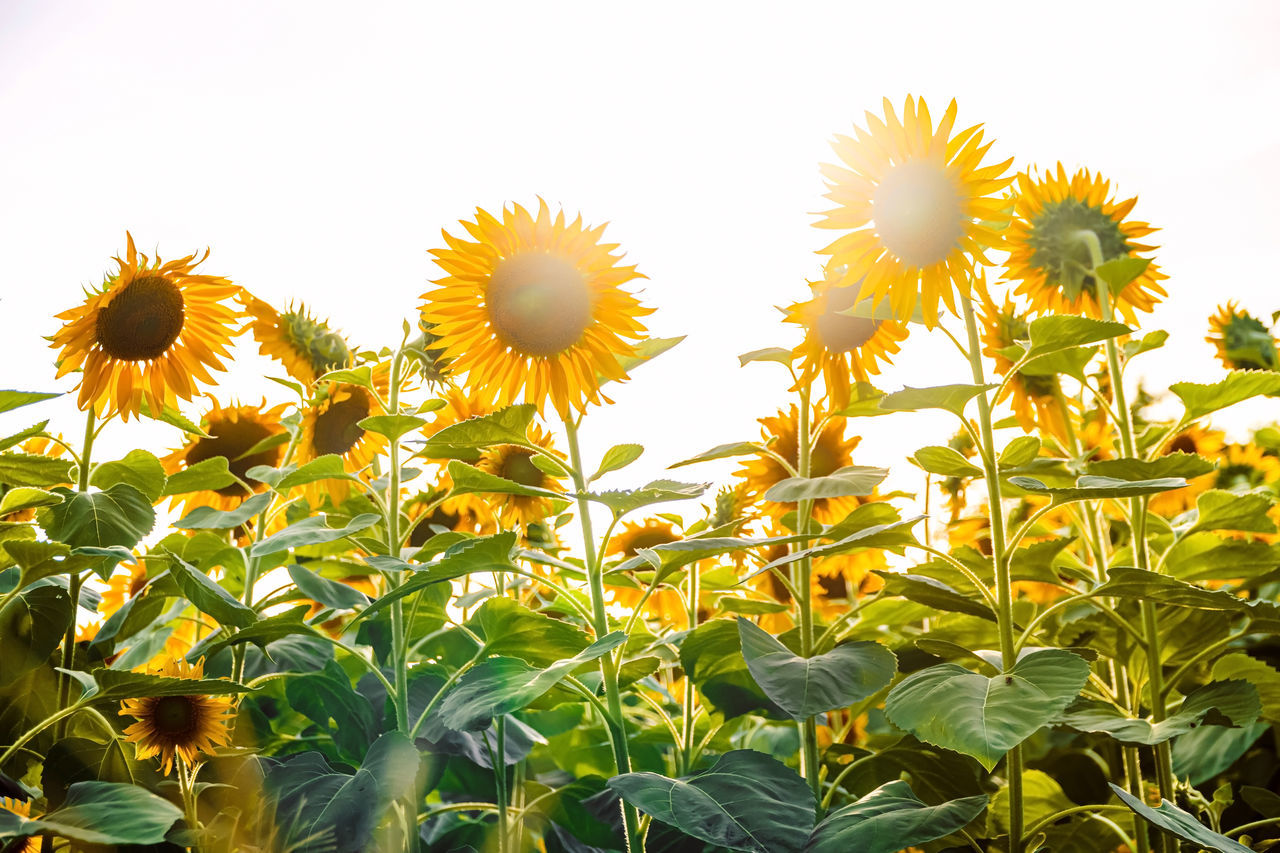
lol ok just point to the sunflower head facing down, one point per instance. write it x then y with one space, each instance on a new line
830 452
1243 342
918 205
307 347
331 425
247 436
150 332
515 463
178 726
534 309
839 346
1053 264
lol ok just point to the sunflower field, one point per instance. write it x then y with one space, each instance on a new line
394 608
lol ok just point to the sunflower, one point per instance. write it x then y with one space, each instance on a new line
833 584
246 436
150 331
919 207
1049 261
178 726
121 588
307 347
1242 341
1198 439
29 844
665 603
830 452
534 309
429 515
331 425
840 346
1243 467
1033 398
515 463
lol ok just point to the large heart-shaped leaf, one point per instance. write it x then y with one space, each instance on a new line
120 515
804 687
746 801
138 468
31 627
100 813
949 706
890 818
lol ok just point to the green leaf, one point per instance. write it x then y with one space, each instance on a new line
1258 673
173 417
483 554
10 400
1206 752
946 461
856 480
1144 585
208 474
311 531
501 685
100 813
208 597
361 376
1220 510
950 398
779 355
261 633
1150 341
1019 452
120 515
326 467
1092 488
891 536
511 629
19 437
1118 273
805 687
722 451
949 706
139 469
24 469
44 559
711 656
470 480
328 592
644 351
934 593
619 456
745 801
1173 819
392 426
1058 332
1183 465
890 818
25 497
31 628
505 426
1042 796
208 518
653 492
1236 700
115 685
1240 385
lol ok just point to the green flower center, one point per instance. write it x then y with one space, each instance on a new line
1248 344
1058 252
518 467
917 212
143 320
538 303
322 348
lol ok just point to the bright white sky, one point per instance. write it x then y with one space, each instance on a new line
319 151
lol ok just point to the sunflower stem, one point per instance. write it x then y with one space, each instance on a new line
189 811
1000 562
398 639
499 761
802 580
76 580
616 723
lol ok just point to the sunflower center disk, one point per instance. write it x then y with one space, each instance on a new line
142 320
917 213
233 439
840 332
338 427
174 715
539 304
518 467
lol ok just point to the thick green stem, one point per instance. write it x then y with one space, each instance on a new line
617 723
1000 561
186 784
399 642
688 734
801 579
75 582
499 757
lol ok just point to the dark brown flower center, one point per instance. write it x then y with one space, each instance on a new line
840 332
539 303
233 439
916 211
426 528
1184 443
175 716
517 466
142 321
338 427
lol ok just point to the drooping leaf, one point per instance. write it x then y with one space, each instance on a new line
805 687
511 629
311 531
1236 700
745 801
330 593
1259 673
779 355
115 685
1092 488
120 515
711 656
1144 585
505 426
950 398
642 353
851 480
892 536
945 461
1207 751
890 818
138 468
949 706
1118 273
262 633
326 467
22 435
208 596
1238 386
31 627
211 474
934 593
470 480
100 813
208 518
1172 819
